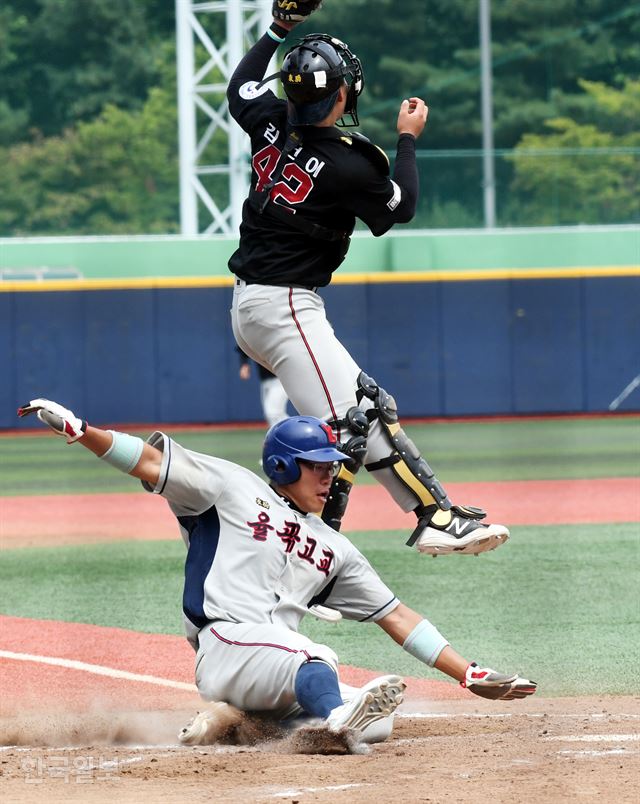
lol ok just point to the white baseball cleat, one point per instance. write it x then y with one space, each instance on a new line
207 726
195 732
375 701
454 532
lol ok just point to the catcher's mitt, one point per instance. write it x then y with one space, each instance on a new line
294 10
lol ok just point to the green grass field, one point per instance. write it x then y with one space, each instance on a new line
518 449
561 603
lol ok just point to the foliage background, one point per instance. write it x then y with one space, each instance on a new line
88 130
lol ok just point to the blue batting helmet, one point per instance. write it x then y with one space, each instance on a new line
302 437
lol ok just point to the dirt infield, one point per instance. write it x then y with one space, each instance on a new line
64 519
84 730
102 722
548 751
91 714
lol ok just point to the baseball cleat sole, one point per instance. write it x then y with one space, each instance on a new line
376 700
436 542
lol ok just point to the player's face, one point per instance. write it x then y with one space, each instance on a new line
311 490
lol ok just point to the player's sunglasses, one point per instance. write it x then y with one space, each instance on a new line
326 468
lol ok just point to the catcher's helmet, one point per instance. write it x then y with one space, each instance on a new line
298 437
311 73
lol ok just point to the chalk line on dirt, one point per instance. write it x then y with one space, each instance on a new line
595 738
330 788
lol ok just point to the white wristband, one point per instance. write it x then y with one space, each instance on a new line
425 642
124 452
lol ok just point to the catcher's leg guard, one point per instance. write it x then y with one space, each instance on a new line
357 424
405 461
450 528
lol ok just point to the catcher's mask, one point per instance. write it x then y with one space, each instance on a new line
312 72
300 437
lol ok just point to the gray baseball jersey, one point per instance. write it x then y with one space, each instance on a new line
254 565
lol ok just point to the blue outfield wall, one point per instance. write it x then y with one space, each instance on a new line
443 348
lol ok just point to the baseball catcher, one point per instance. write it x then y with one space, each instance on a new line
257 561
311 178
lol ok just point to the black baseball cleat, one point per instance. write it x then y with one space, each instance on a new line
457 530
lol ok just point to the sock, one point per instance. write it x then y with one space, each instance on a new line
317 689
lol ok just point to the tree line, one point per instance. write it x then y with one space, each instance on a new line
88 128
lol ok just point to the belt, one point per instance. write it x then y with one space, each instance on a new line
240 283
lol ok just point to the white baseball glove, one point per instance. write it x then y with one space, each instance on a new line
62 421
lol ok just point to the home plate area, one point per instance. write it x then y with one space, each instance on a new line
88 722
553 750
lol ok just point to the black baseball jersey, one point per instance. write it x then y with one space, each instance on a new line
330 180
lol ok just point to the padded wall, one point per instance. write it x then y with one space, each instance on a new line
442 348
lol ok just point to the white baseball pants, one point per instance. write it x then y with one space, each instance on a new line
287 331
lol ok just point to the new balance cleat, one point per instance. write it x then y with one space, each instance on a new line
376 700
496 686
458 530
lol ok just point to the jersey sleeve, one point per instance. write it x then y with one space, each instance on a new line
378 200
190 481
358 592
249 104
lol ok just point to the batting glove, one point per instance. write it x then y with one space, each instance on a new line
488 683
62 421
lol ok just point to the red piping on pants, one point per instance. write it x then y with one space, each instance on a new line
311 355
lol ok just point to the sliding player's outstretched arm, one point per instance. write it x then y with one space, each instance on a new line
422 639
122 451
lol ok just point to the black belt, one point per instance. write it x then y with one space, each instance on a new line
240 283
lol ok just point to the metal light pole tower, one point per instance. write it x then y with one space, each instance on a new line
488 158
214 151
